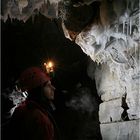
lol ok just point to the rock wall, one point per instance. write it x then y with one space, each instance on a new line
115 48
118 87
121 103
114 45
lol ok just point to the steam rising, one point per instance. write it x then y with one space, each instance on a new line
83 101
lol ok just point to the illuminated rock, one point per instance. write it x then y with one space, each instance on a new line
128 130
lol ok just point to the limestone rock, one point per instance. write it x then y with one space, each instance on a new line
110 111
108 83
128 130
133 99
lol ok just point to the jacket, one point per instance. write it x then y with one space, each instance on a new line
31 121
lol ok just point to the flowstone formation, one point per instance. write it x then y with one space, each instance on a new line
112 40
24 9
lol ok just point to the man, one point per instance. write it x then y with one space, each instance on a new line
32 120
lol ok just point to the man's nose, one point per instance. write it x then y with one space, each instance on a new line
53 87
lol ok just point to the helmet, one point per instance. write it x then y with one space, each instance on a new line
32 77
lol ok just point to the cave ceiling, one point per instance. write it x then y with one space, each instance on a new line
106 30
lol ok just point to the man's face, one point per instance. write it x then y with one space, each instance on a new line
49 90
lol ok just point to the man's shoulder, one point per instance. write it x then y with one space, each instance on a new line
31 110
